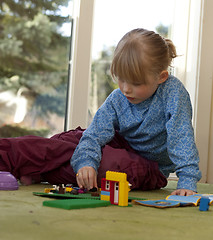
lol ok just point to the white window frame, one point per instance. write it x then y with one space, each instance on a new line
195 68
107 185
81 48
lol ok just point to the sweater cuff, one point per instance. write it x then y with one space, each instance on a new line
189 183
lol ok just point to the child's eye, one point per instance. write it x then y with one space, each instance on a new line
137 84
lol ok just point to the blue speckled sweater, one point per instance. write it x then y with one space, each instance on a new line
158 128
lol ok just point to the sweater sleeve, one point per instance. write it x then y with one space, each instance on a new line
181 145
101 131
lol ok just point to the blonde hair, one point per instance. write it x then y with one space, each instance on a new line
141 53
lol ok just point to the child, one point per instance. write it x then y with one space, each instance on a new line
151 111
143 129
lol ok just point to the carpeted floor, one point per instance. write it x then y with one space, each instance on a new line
23 217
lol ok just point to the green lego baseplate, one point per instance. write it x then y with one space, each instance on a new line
79 196
76 203
66 195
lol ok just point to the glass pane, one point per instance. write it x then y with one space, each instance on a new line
34 54
113 18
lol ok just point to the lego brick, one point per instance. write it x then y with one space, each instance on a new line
123 194
204 204
105 193
116 176
76 203
105 197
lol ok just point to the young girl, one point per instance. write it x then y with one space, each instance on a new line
143 129
151 111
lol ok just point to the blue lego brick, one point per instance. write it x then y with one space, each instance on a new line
204 204
105 193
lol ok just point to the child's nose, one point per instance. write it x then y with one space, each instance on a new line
126 88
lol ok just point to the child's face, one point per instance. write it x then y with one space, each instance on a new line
136 93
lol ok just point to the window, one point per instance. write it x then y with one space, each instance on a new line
112 19
107 185
34 53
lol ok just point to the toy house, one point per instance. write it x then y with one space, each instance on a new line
115 188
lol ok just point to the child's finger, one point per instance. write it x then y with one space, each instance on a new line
95 182
86 180
92 179
79 180
83 179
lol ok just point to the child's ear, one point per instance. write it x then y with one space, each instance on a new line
163 76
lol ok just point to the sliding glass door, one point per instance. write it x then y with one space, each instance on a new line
34 55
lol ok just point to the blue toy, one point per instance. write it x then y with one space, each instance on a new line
204 204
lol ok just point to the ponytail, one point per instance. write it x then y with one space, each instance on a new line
172 49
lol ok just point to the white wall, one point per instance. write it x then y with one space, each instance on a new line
204 93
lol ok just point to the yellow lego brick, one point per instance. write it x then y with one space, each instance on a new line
116 176
123 194
69 189
105 198
47 190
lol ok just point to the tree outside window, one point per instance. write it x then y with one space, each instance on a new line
34 54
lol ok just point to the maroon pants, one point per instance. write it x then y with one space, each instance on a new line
49 159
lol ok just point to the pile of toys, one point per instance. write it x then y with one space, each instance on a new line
114 191
62 189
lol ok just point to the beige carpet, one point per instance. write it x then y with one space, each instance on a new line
23 217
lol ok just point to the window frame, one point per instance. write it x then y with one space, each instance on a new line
80 64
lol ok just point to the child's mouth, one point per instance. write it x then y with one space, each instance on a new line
130 98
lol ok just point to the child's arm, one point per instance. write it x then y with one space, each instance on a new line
181 145
87 155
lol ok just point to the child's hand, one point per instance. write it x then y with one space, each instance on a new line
87 178
183 192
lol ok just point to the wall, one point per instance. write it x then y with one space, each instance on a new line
210 159
203 96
